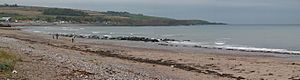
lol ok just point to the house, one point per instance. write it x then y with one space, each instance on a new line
5 19
3 22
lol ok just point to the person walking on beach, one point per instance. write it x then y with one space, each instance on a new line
56 36
73 38
53 36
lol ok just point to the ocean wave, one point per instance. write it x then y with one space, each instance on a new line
107 36
69 29
184 43
37 31
81 28
220 42
255 49
234 48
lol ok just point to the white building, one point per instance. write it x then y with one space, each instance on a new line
5 19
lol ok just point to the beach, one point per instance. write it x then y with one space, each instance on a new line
42 57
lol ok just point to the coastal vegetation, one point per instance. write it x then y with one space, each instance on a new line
63 12
76 16
7 62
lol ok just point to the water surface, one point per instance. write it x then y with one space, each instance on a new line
271 37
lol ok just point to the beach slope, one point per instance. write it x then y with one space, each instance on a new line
41 57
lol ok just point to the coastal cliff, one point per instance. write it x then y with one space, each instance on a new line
46 15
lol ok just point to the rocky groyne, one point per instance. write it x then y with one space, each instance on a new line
108 37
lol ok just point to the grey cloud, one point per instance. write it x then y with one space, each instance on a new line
231 11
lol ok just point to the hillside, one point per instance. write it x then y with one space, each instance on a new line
76 16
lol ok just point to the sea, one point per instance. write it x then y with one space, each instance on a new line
244 37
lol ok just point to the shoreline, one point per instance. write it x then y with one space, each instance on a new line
222 66
187 50
163 41
181 43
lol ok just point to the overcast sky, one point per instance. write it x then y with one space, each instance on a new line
228 11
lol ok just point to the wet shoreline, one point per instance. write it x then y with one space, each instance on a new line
174 43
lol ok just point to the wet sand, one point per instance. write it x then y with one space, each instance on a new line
42 57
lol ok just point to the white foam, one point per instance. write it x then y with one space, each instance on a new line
108 36
219 43
95 32
85 34
70 29
254 49
184 42
37 31
168 35
236 48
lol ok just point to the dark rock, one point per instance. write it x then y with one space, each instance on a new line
186 40
163 44
169 40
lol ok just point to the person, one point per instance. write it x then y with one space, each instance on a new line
56 36
73 38
53 36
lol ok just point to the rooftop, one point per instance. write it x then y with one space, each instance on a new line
5 18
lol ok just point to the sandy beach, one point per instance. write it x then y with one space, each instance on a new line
41 57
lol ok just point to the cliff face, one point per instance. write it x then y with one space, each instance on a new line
75 16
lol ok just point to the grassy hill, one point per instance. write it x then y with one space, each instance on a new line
76 16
